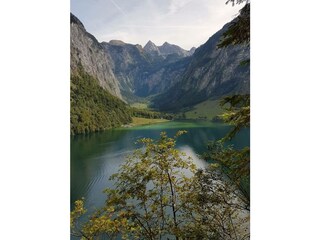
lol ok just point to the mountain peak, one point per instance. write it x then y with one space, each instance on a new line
150 44
75 20
150 47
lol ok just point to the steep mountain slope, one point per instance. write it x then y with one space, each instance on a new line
95 93
127 62
211 73
87 52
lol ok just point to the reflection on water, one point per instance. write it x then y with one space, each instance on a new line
95 157
200 163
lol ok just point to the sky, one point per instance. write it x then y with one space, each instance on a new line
187 23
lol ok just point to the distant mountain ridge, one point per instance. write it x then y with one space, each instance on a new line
167 49
145 71
172 77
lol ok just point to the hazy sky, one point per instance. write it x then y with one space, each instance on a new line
186 23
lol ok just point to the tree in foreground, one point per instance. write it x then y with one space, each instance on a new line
238 33
152 187
235 163
159 194
150 195
239 29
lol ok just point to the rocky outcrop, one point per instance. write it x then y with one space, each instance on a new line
87 53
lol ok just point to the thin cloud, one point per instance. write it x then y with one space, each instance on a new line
119 8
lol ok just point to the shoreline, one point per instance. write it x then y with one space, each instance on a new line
137 121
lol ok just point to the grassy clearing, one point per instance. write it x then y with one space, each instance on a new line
137 121
140 105
206 110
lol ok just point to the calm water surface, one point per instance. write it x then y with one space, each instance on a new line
95 157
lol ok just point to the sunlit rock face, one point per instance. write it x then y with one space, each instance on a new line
87 52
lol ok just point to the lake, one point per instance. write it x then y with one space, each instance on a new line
95 157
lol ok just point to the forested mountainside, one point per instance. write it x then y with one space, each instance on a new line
210 74
92 107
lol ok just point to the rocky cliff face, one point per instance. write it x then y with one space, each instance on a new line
129 64
87 52
211 73
166 49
